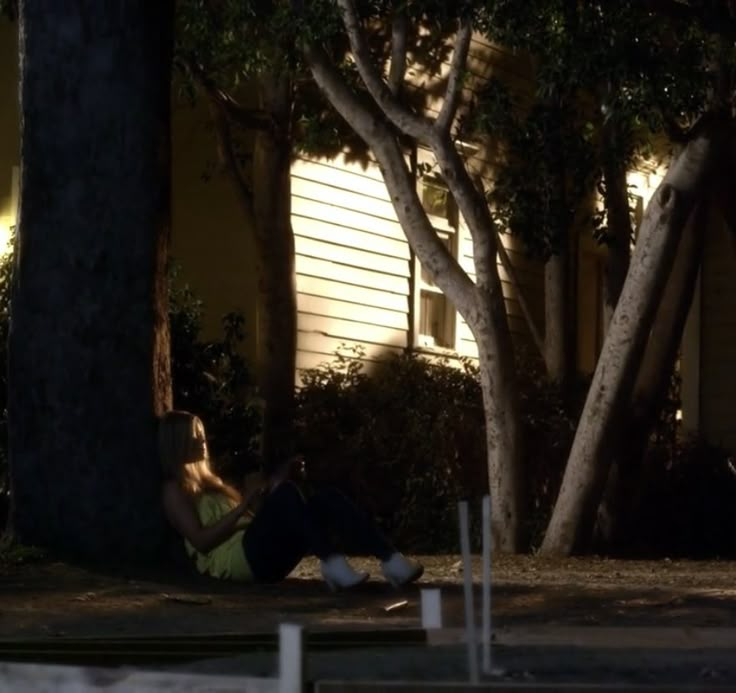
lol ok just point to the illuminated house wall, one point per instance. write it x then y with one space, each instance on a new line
9 131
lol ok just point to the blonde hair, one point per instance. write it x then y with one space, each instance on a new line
182 449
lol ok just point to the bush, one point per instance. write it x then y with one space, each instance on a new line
211 379
386 442
549 420
409 441
685 507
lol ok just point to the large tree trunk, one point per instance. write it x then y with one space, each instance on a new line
589 462
89 347
277 285
650 390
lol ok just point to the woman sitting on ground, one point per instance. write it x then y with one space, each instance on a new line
263 532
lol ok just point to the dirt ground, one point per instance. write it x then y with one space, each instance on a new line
597 617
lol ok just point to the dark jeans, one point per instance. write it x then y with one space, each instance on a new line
289 527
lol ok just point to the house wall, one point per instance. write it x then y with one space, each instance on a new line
352 262
210 240
9 128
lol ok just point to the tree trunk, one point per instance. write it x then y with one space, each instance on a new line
651 385
589 462
89 346
277 283
558 318
503 430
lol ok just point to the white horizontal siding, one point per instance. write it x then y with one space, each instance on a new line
352 262
344 255
349 275
352 330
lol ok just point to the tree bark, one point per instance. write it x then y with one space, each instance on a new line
277 284
589 462
650 390
502 422
89 346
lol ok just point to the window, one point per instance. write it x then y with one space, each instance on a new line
435 317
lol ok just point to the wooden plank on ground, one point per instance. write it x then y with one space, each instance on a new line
37 678
125 651
504 687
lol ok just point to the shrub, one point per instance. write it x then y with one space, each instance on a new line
409 441
685 506
385 440
211 378
549 419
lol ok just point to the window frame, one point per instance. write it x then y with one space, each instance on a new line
447 227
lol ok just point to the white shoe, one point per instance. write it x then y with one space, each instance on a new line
339 574
400 570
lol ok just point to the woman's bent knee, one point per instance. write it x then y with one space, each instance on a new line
288 491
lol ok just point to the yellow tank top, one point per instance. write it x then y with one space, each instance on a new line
226 561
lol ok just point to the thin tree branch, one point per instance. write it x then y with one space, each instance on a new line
251 118
445 270
455 78
399 28
225 147
345 101
471 203
415 126
229 158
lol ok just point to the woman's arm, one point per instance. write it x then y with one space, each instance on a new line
183 517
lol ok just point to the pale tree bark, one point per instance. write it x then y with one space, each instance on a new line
480 303
589 461
650 389
89 346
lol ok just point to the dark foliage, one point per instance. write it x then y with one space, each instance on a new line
409 441
685 507
211 379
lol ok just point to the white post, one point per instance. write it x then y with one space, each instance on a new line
470 634
487 663
431 608
291 659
